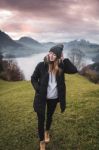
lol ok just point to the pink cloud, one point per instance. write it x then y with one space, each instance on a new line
42 18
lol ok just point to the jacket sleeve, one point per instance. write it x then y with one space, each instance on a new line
69 67
35 76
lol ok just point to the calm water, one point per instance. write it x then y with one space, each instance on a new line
28 64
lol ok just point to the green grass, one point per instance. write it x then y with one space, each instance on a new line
76 129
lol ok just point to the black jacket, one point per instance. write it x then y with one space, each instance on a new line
39 80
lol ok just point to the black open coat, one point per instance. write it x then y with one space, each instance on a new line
39 80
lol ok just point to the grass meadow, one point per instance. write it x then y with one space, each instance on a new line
75 129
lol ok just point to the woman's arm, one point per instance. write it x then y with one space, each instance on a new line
69 67
34 78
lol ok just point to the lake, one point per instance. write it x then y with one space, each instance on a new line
28 64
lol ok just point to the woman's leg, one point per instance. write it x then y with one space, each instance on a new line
41 120
51 105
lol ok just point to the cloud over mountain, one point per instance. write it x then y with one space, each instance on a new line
52 20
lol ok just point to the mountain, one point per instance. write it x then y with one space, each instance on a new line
9 47
91 50
28 41
27 46
83 45
49 44
6 41
81 42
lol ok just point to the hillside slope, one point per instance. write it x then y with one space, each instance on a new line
76 129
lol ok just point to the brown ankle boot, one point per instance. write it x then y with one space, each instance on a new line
42 145
47 137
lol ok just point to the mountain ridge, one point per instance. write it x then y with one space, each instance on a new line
26 46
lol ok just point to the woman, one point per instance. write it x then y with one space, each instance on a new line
49 83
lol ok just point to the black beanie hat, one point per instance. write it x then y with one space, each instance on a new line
57 50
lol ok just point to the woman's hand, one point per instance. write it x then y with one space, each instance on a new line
62 56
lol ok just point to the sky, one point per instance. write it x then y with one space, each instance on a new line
51 20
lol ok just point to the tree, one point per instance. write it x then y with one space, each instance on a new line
11 71
76 56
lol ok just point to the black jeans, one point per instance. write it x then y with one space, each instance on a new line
51 105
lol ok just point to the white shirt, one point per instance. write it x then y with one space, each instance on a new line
52 92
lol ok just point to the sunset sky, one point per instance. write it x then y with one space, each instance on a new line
51 20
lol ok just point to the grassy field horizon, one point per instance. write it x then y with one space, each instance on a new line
75 129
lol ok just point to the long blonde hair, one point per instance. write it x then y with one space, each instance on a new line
54 67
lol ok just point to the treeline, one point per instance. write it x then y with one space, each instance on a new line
91 72
9 70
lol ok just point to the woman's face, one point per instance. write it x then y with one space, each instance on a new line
52 56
